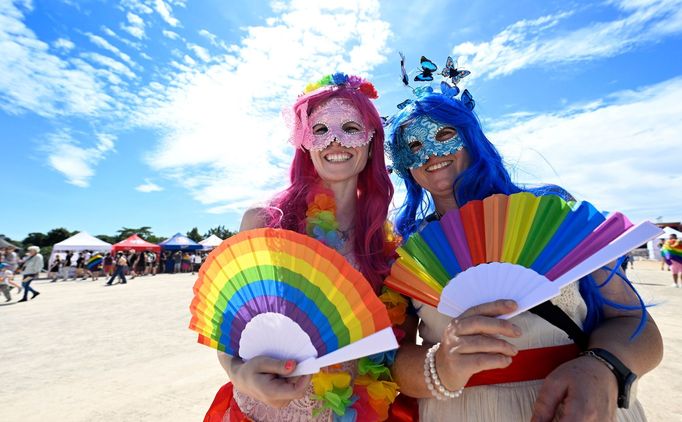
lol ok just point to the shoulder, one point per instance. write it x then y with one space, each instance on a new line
254 218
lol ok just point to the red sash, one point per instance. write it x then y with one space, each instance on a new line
527 365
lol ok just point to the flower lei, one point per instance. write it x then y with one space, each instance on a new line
370 395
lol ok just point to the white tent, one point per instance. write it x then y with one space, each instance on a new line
80 241
669 230
211 242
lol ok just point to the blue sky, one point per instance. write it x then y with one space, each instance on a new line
166 113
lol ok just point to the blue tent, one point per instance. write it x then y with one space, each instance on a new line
180 242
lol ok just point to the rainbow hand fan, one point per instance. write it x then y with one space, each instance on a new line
517 246
285 295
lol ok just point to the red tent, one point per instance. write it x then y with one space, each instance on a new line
135 243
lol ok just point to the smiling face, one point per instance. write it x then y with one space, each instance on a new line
340 146
438 174
434 153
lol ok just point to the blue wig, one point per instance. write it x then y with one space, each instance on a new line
485 176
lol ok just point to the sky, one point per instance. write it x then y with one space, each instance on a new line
167 113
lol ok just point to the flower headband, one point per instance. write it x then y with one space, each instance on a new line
300 118
342 80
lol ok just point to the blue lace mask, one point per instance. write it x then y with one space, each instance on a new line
418 141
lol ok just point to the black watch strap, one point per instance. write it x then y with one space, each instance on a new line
624 376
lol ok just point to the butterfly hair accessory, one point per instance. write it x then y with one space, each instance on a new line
426 74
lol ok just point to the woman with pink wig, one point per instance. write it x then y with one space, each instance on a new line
339 193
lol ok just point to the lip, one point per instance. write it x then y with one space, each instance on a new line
440 165
328 154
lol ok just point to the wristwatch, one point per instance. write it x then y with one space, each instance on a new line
624 376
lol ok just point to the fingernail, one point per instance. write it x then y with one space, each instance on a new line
517 331
289 365
509 303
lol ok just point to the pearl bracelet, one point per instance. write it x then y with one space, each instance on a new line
432 379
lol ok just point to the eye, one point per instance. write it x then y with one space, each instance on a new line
415 146
352 127
446 134
320 129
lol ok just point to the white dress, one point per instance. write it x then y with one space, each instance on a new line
510 401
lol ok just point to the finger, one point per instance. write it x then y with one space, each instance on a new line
283 389
484 325
580 409
478 362
550 396
483 344
496 308
266 365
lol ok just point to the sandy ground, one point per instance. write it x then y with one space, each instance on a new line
83 352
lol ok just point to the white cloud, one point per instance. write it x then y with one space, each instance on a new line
200 52
137 6
164 10
112 64
170 34
536 42
75 162
213 39
33 79
225 140
63 44
622 153
148 186
102 43
135 25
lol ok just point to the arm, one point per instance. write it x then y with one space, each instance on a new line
585 388
263 378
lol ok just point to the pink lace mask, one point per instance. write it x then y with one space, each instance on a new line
336 115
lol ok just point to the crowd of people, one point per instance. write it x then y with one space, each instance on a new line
84 265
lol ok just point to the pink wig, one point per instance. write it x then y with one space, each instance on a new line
374 186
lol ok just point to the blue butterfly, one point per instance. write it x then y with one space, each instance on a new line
449 91
468 100
405 104
428 67
406 81
450 71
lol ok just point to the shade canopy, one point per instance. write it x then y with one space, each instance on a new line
82 241
211 242
5 244
669 230
180 242
135 243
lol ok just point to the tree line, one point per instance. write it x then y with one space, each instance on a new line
47 240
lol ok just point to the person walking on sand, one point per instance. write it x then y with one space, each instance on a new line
120 270
6 275
32 266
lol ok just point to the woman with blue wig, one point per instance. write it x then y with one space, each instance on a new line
572 358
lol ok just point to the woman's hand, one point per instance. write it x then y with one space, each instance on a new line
582 389
470 345
263 379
